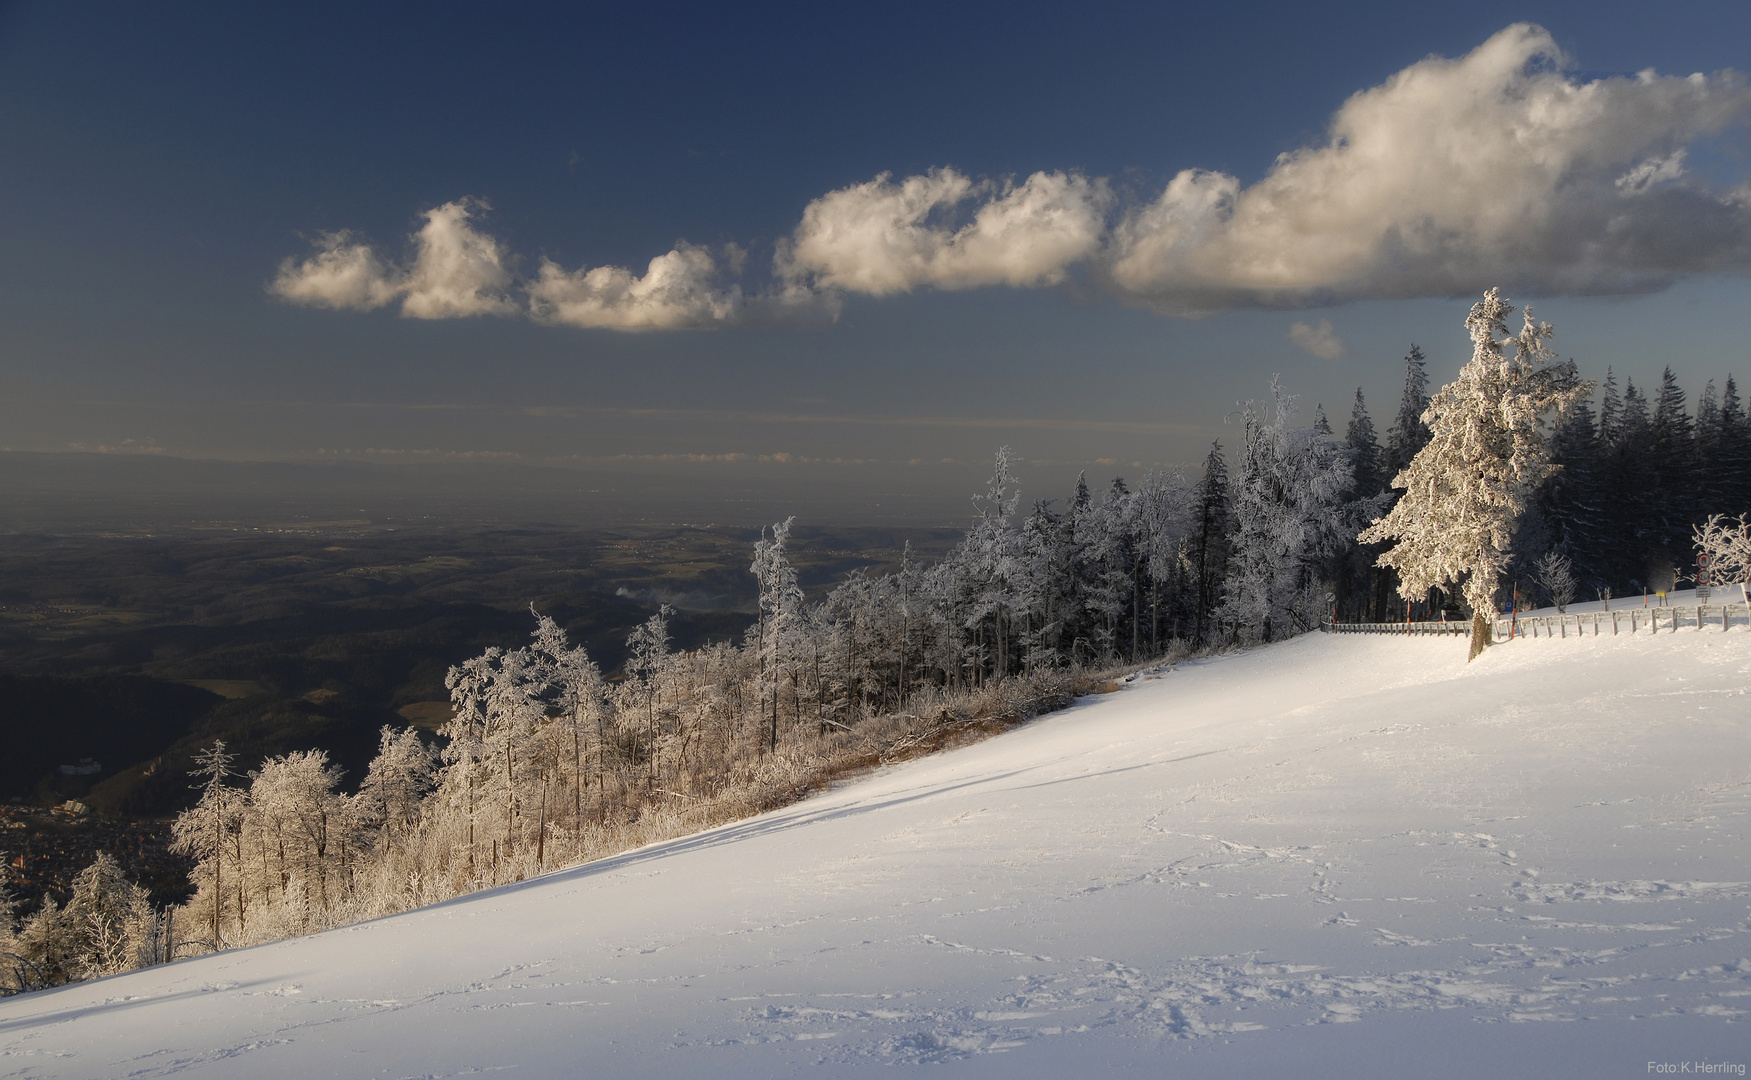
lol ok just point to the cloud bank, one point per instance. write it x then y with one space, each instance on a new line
676 291
1498 167
457 271
881 237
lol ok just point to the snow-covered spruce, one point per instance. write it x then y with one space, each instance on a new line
1290 511
1487 454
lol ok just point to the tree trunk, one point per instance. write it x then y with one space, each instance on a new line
1480 634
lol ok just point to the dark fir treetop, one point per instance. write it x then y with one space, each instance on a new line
1734 453
1364 450
1208 538
1610 410
1409 434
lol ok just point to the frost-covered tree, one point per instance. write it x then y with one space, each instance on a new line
201 831
1556 574
1105 540
1465 490
577 700
1726 545
16 970
647 658
305 833
990 565
1289 513
111 921
1161 518
397 781
499 709
781 618
107 926
1042 553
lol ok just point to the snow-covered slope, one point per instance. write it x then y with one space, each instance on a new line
1347 856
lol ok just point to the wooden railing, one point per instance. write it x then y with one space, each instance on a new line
1629 620
1442 627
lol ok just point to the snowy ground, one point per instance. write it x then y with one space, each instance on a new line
1339 856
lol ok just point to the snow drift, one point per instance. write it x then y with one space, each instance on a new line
1332 856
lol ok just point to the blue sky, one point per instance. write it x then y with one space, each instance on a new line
171 179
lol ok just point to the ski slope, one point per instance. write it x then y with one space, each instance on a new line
1337 856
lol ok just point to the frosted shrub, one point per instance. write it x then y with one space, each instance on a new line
1555 573
1726 544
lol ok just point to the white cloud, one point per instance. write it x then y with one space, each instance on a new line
1319 339
341 274
675 292
882 237
1494 167
457 271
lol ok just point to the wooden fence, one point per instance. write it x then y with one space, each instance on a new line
1442 627
1629 620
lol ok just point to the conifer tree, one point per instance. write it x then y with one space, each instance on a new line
1733 460
1409 433
781 612
110 921
1364 450
200 831
1571 499
647 655
1162 505
1209 540
1357 573
1631 489
1288 508
990 546
1077 534
1042 545
398 778
1673 447
1465 490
